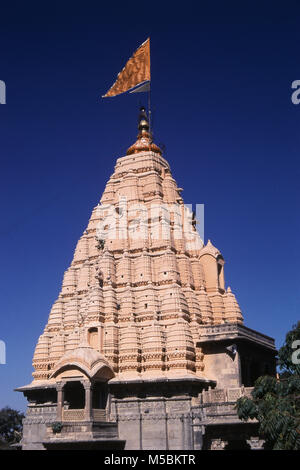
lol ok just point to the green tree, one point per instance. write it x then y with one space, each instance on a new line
10 426
275 401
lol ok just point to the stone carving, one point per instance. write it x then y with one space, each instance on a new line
255 443
233 394
218 444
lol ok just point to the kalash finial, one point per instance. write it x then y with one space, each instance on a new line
144 139
143 120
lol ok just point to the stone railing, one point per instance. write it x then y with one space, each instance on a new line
218 405
225 395
98 415
73 415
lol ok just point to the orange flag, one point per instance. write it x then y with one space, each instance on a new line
135 72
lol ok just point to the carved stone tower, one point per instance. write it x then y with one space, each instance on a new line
143 326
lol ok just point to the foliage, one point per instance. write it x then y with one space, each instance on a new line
285 353
56 427
10 425
275 401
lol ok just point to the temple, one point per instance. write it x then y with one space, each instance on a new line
145 347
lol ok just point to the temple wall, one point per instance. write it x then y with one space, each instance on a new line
34 425
154 424
221 366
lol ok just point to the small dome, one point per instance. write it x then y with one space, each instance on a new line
86 358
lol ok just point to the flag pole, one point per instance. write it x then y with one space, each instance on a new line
149 108
149 93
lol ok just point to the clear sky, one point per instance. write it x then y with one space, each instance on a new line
221 92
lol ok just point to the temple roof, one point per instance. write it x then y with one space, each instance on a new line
148 267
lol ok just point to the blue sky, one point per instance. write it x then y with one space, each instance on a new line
221 93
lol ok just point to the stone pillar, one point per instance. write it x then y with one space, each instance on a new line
141 428
60 400
218 444
198 431
88 401
182 433
166 425
188 432
255 443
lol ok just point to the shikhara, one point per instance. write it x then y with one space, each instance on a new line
145 347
